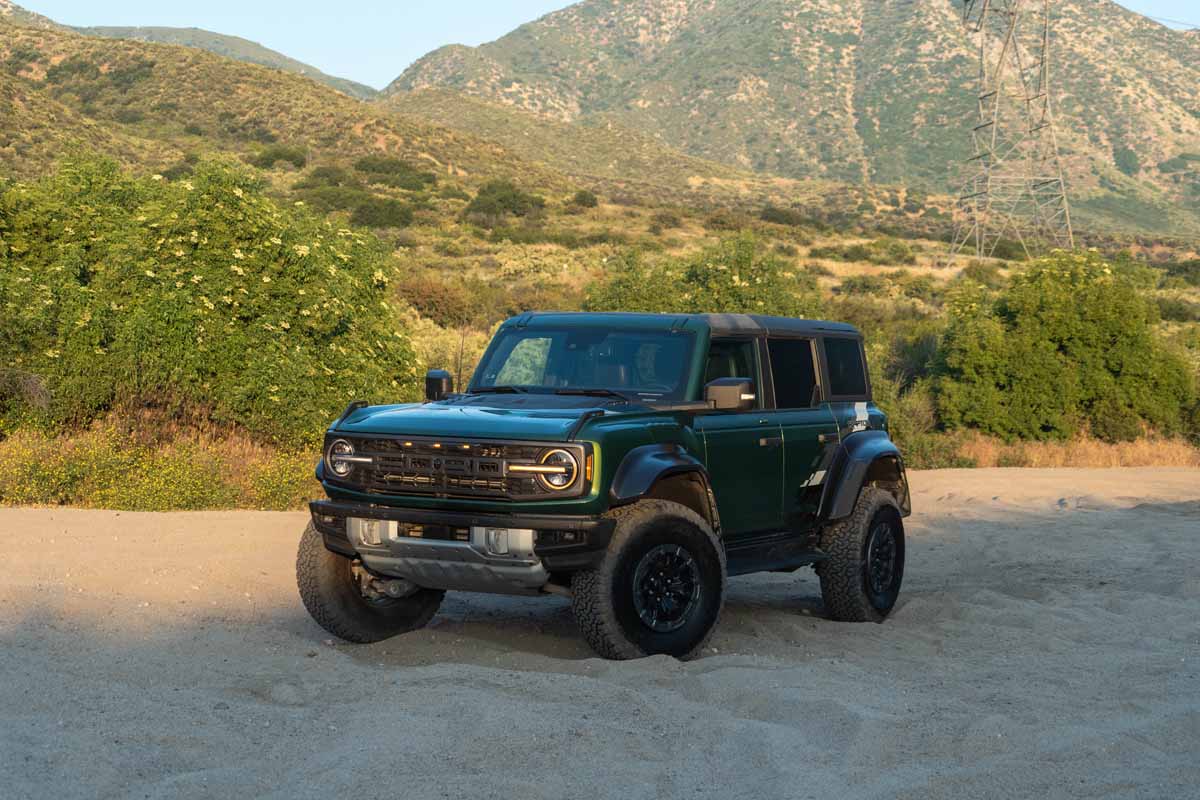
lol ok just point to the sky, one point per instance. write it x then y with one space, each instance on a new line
371 41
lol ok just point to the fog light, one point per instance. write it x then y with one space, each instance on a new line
496 541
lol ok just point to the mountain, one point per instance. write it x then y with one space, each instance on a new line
11 12
232 47
147 104
851 90
603 150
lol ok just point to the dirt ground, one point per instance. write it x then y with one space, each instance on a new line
1047 645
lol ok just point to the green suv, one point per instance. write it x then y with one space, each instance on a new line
630 462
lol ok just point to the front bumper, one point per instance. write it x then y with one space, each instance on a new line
446 549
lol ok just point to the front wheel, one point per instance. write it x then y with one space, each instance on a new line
660 587
335 592
860 581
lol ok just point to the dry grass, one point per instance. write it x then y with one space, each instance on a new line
988 452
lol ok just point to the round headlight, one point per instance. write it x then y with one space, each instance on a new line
338 451
566 470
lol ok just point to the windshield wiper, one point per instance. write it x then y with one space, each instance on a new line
498 390
592 393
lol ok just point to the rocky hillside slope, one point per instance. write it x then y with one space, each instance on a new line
848 89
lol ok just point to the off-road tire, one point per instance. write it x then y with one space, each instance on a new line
602 599
332 597
845 583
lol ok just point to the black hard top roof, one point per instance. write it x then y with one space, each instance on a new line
718 324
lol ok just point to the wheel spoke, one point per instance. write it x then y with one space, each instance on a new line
666 587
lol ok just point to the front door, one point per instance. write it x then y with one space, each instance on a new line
743 450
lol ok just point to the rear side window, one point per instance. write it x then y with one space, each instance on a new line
793 371
847 377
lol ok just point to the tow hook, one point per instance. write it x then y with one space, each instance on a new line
375 588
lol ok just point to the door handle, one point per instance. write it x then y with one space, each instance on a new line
770 441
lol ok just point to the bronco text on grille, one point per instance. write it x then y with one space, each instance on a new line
406 466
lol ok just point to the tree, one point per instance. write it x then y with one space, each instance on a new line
736 276
1069 345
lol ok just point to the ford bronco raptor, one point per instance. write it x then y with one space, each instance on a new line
630 462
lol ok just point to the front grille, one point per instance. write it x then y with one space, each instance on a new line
443 469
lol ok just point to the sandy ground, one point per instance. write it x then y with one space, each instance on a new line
1047 645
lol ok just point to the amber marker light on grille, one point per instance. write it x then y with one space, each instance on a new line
587 468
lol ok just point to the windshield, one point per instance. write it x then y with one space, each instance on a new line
645 366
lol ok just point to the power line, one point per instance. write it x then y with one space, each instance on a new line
1170 21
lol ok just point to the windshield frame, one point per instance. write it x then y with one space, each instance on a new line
681 392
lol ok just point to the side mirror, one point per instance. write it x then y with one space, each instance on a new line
730 394
438 384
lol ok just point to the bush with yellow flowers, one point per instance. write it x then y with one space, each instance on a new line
204 292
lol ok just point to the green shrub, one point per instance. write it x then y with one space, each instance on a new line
1176 309
326 199
73 69
22 56
451 192
1068 345
585 199
130 116
726 220
984 274
328 176
499 199
394 172
178 171
1010 250
382 212
1189 271
784 216
192 129
818 271
666 220
201 292
732 277
884 252
270 156
1126 161
863 284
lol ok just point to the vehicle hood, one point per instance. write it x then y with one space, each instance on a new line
524 417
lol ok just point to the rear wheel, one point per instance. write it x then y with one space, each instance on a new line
860 581
660 587
337 593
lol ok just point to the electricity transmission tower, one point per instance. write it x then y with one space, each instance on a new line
1017 191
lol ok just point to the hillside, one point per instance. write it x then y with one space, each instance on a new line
117 96
11 12
232 47
602 153
850 91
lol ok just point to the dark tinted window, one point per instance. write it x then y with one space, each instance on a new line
732 359
793 371
847 378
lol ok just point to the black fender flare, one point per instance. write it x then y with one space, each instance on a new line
644 467
863 456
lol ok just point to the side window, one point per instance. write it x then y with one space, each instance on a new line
847 377
794 372
733 359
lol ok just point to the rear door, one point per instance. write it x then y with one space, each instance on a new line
849 389
743 450
808 426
